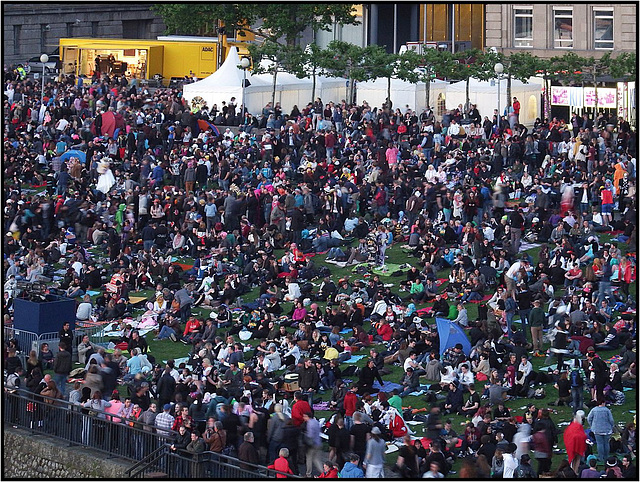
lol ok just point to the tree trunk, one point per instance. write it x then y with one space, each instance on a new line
595 94
273 93
545 97
389 91
466 95
427 91
313 86
508 91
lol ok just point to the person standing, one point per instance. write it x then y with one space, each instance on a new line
536 322
62 367
66 336
313 443
575 441
374 457
601 422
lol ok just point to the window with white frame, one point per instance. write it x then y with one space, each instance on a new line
603 29
563 28
523 27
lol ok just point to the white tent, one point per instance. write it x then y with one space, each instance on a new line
485 96
402 93
290 90
226 82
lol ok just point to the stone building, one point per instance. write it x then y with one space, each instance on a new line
548 30
33 29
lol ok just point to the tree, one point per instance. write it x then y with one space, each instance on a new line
592 68
280 58
377 63
311 65
624 66
413 67
464 68
342 59
281 23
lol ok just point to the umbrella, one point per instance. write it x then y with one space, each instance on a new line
74 153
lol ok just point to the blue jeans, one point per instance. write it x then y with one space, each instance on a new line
61 383
577 398
165 332
602 442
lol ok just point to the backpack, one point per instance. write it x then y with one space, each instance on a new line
576 379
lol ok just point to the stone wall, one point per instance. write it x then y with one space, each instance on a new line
32 29
37 457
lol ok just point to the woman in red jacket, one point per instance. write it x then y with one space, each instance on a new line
384 331
281 464
330 471
575 441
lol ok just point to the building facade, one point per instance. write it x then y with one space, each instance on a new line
396 24
548 30
33 29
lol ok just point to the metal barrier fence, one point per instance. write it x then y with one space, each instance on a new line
77 426
115 437
210 465
25 339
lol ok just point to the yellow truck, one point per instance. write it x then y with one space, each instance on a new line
166 58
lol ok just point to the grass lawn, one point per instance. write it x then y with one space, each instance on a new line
165 349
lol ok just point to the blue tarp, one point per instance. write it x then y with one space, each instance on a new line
450 334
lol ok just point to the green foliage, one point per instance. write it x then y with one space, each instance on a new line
278 22
624 66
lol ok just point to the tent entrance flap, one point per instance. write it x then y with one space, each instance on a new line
451 334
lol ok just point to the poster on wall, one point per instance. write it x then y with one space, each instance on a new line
559 95
606 97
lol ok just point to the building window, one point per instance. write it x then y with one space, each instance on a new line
69 29
16 39
563 29
94 29
523 27
603 29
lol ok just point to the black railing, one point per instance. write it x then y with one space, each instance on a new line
210 465
76 425
119 437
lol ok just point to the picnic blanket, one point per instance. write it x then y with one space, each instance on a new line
354 358
440 281
107 332
344 331
526 246
614 359
389 268
387 387
185 267
184 359
94 293
136 299
484 299
320 406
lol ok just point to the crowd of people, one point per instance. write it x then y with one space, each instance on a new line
114 183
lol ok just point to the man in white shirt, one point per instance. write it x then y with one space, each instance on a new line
511 276
418 369
510 462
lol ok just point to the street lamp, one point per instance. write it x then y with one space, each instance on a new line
44 58
498 69
244 65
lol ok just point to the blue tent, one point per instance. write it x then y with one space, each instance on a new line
450 334
74 153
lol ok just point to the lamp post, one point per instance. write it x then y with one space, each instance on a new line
244 65
44 58
498 69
